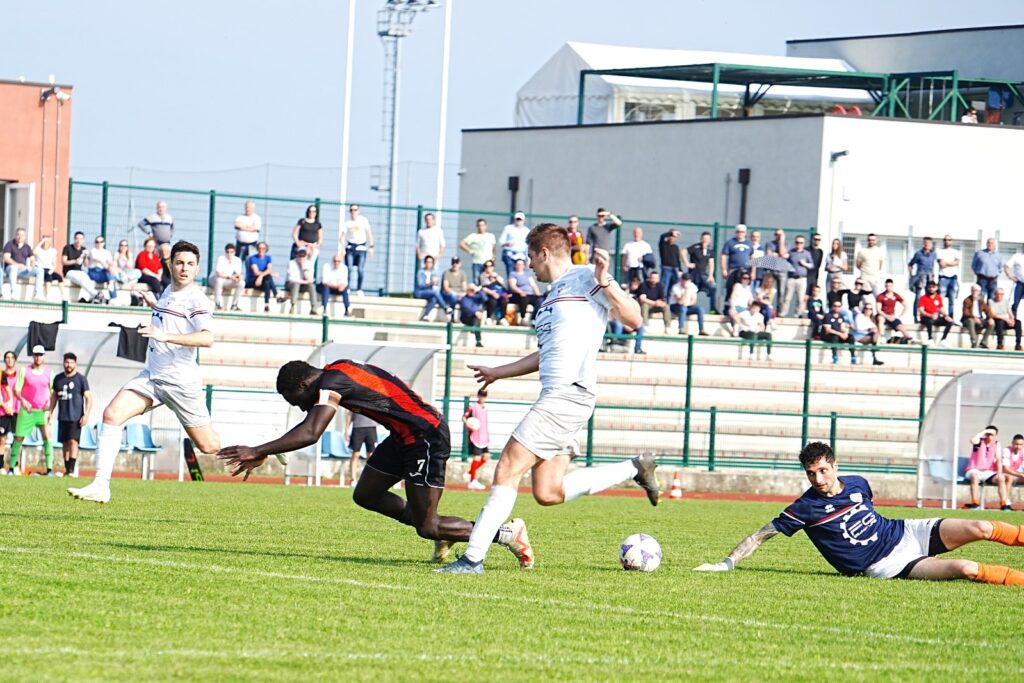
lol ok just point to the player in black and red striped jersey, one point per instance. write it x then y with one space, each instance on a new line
416 450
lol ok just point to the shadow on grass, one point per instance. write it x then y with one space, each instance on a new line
263 553
797 572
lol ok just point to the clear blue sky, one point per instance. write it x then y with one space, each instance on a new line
195 86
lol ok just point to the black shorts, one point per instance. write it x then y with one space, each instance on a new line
421 463
362 436
478 450
6 425
69 430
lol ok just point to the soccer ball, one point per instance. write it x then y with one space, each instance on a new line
640 553
472 424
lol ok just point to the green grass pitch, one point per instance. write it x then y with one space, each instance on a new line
229 582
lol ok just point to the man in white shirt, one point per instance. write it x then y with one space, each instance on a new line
480 245
871 261
247 231
684 304
570 327
633 254
429 240
227 275
750 325
334 281
358 242
948 260
1014 269
300 279
513 242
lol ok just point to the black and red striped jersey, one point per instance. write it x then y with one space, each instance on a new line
379 395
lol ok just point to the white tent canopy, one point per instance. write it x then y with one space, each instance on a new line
550 97
962 408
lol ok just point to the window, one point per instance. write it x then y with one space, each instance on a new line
635 112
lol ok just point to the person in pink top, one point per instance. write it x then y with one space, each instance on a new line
983 466
1012 466
479 438
8 404
33 392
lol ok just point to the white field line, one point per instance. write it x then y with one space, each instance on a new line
869 635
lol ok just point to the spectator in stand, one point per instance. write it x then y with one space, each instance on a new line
496 291
150 268
818 257
983 466
159 225
480 246
651 296
32 390
634 253
227 275
523 291
472 310
301 281
765 292
101 266
835 330
999 98
870 262
750 326
999 311
921 271
358 242
859 295
513 242
948 260
20 264
124 265
974 318
578 249
1014 269
72 399
987 264
816 312
453 283
836 292
1012 467
72 259
684 304
479 438
247 231
165 262
888 318
668 251
428 288
361 432
757 250
700 261
616 327
259 274
740 298
865 331
836 263
932 312
735 256
46 258
970 116
796 281
599 234
308 234
9 404
429 239
334 281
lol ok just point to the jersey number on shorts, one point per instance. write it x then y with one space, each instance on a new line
421 463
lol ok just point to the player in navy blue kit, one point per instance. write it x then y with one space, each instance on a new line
838 515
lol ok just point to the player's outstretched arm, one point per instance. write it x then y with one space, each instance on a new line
743 550
624 308
488 375
306 433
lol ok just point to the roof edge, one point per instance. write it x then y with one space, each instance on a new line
908 33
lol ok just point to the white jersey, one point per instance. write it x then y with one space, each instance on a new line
182 312
570 327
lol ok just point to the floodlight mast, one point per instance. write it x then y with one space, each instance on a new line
394 22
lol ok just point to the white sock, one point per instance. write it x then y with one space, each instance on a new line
108 443
586 481
496 510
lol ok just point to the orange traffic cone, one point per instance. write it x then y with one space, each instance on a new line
677 486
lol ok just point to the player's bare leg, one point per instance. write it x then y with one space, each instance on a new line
955 533
125 405
204 438
548 480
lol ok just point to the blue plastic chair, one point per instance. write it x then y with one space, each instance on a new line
33 440
140 438
332 445
88 440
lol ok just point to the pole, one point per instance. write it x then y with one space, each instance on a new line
103 209
64 306
716 72
415 259
833 426
581 93
393 163
448 347
590 440
346 119
211 225
465 432
807 392
688 405
616 260
209 398
325 328
711 440
442 134
924 387
71 187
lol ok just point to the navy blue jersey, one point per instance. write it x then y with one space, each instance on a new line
845 528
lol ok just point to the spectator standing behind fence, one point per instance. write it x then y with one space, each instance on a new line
428 287
72 260
669 255
472 310
796 281
700 262
735 256
72 399
635 253
779 247
334 280
921 271
159 225
974 318
8 404
429 240
870 262
818 257
987 264
578 250
932 313
227 275
599 234
358 243
453 283
247 231
836 263
998 309
479 438
684 304
150 267
301 281
751 326
948 260
308 234
523 291
32 390
513 242
101 267
480 247
1014 269
46 257
20 264
259 274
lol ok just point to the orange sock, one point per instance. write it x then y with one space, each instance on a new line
995 574
1007 534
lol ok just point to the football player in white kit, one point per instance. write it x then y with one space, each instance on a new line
182 321
570 327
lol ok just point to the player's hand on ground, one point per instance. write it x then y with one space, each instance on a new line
483 374
153 333
722 566
242 459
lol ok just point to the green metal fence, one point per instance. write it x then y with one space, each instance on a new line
206 218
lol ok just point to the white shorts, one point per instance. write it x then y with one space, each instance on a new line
915 544
984 476
187 401
552 424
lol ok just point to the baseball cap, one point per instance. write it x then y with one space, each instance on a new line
456 259
38 350
520 214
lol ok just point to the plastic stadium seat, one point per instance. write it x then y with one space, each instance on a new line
33 440
88 440
332 445
140 438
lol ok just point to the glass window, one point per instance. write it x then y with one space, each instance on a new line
896 255
649 111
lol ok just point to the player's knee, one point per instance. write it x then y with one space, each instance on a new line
548 496
428 529
981 529
112 415
967 569
365 499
